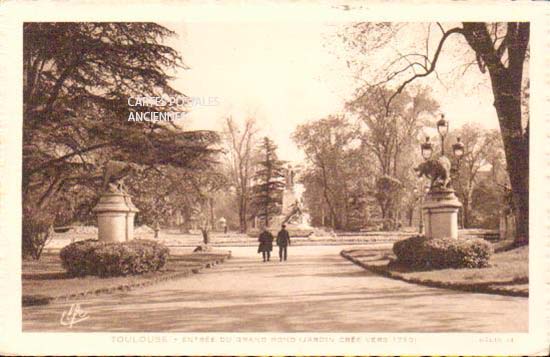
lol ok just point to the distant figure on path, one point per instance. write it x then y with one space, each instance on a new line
283 241
266 244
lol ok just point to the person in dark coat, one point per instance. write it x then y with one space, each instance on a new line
266 244
283 241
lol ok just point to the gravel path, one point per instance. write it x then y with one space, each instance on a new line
315 291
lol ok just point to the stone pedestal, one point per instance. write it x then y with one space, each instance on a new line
440 213
115 217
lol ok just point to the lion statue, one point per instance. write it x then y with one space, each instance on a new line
437 170
114 173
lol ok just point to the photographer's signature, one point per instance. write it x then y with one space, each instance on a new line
74 315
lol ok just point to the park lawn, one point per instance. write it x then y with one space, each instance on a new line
508 271
45 280
505 267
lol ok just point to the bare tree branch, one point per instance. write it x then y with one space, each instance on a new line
446 35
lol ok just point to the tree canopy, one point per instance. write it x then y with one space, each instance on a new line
77 81
500 50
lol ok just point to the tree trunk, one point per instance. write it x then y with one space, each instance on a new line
211 206
516 145
383 209
467 206
205 235
506 83
466 212
327 199
242 214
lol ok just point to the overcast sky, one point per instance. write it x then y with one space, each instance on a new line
285 74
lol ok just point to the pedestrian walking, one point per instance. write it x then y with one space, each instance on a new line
266 244
283 241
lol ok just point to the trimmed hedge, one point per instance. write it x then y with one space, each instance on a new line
104 259
421 253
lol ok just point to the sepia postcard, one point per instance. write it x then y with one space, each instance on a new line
274 178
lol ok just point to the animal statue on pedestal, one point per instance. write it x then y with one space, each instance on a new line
114 173
438 171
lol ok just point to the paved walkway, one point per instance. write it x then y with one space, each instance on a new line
315 291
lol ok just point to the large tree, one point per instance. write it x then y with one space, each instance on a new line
338 172
480 146
501 49
168 191
240 143
77 81
268 182
391 136
206 187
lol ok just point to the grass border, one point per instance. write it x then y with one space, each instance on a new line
35 300
481 288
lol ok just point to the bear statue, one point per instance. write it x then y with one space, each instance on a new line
437 170
114 174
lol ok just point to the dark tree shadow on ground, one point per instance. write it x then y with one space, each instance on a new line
46 276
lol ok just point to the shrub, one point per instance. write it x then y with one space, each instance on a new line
410 251
91 257
421 253
37 229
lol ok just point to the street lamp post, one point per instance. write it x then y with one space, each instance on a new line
441 205
420 220
420 198
458 151
426 148
443 130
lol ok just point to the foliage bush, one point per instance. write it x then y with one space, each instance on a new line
104 259
418 252
37 227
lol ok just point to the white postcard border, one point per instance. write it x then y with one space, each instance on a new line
13 340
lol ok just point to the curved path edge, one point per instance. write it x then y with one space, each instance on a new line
472 288
33 300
